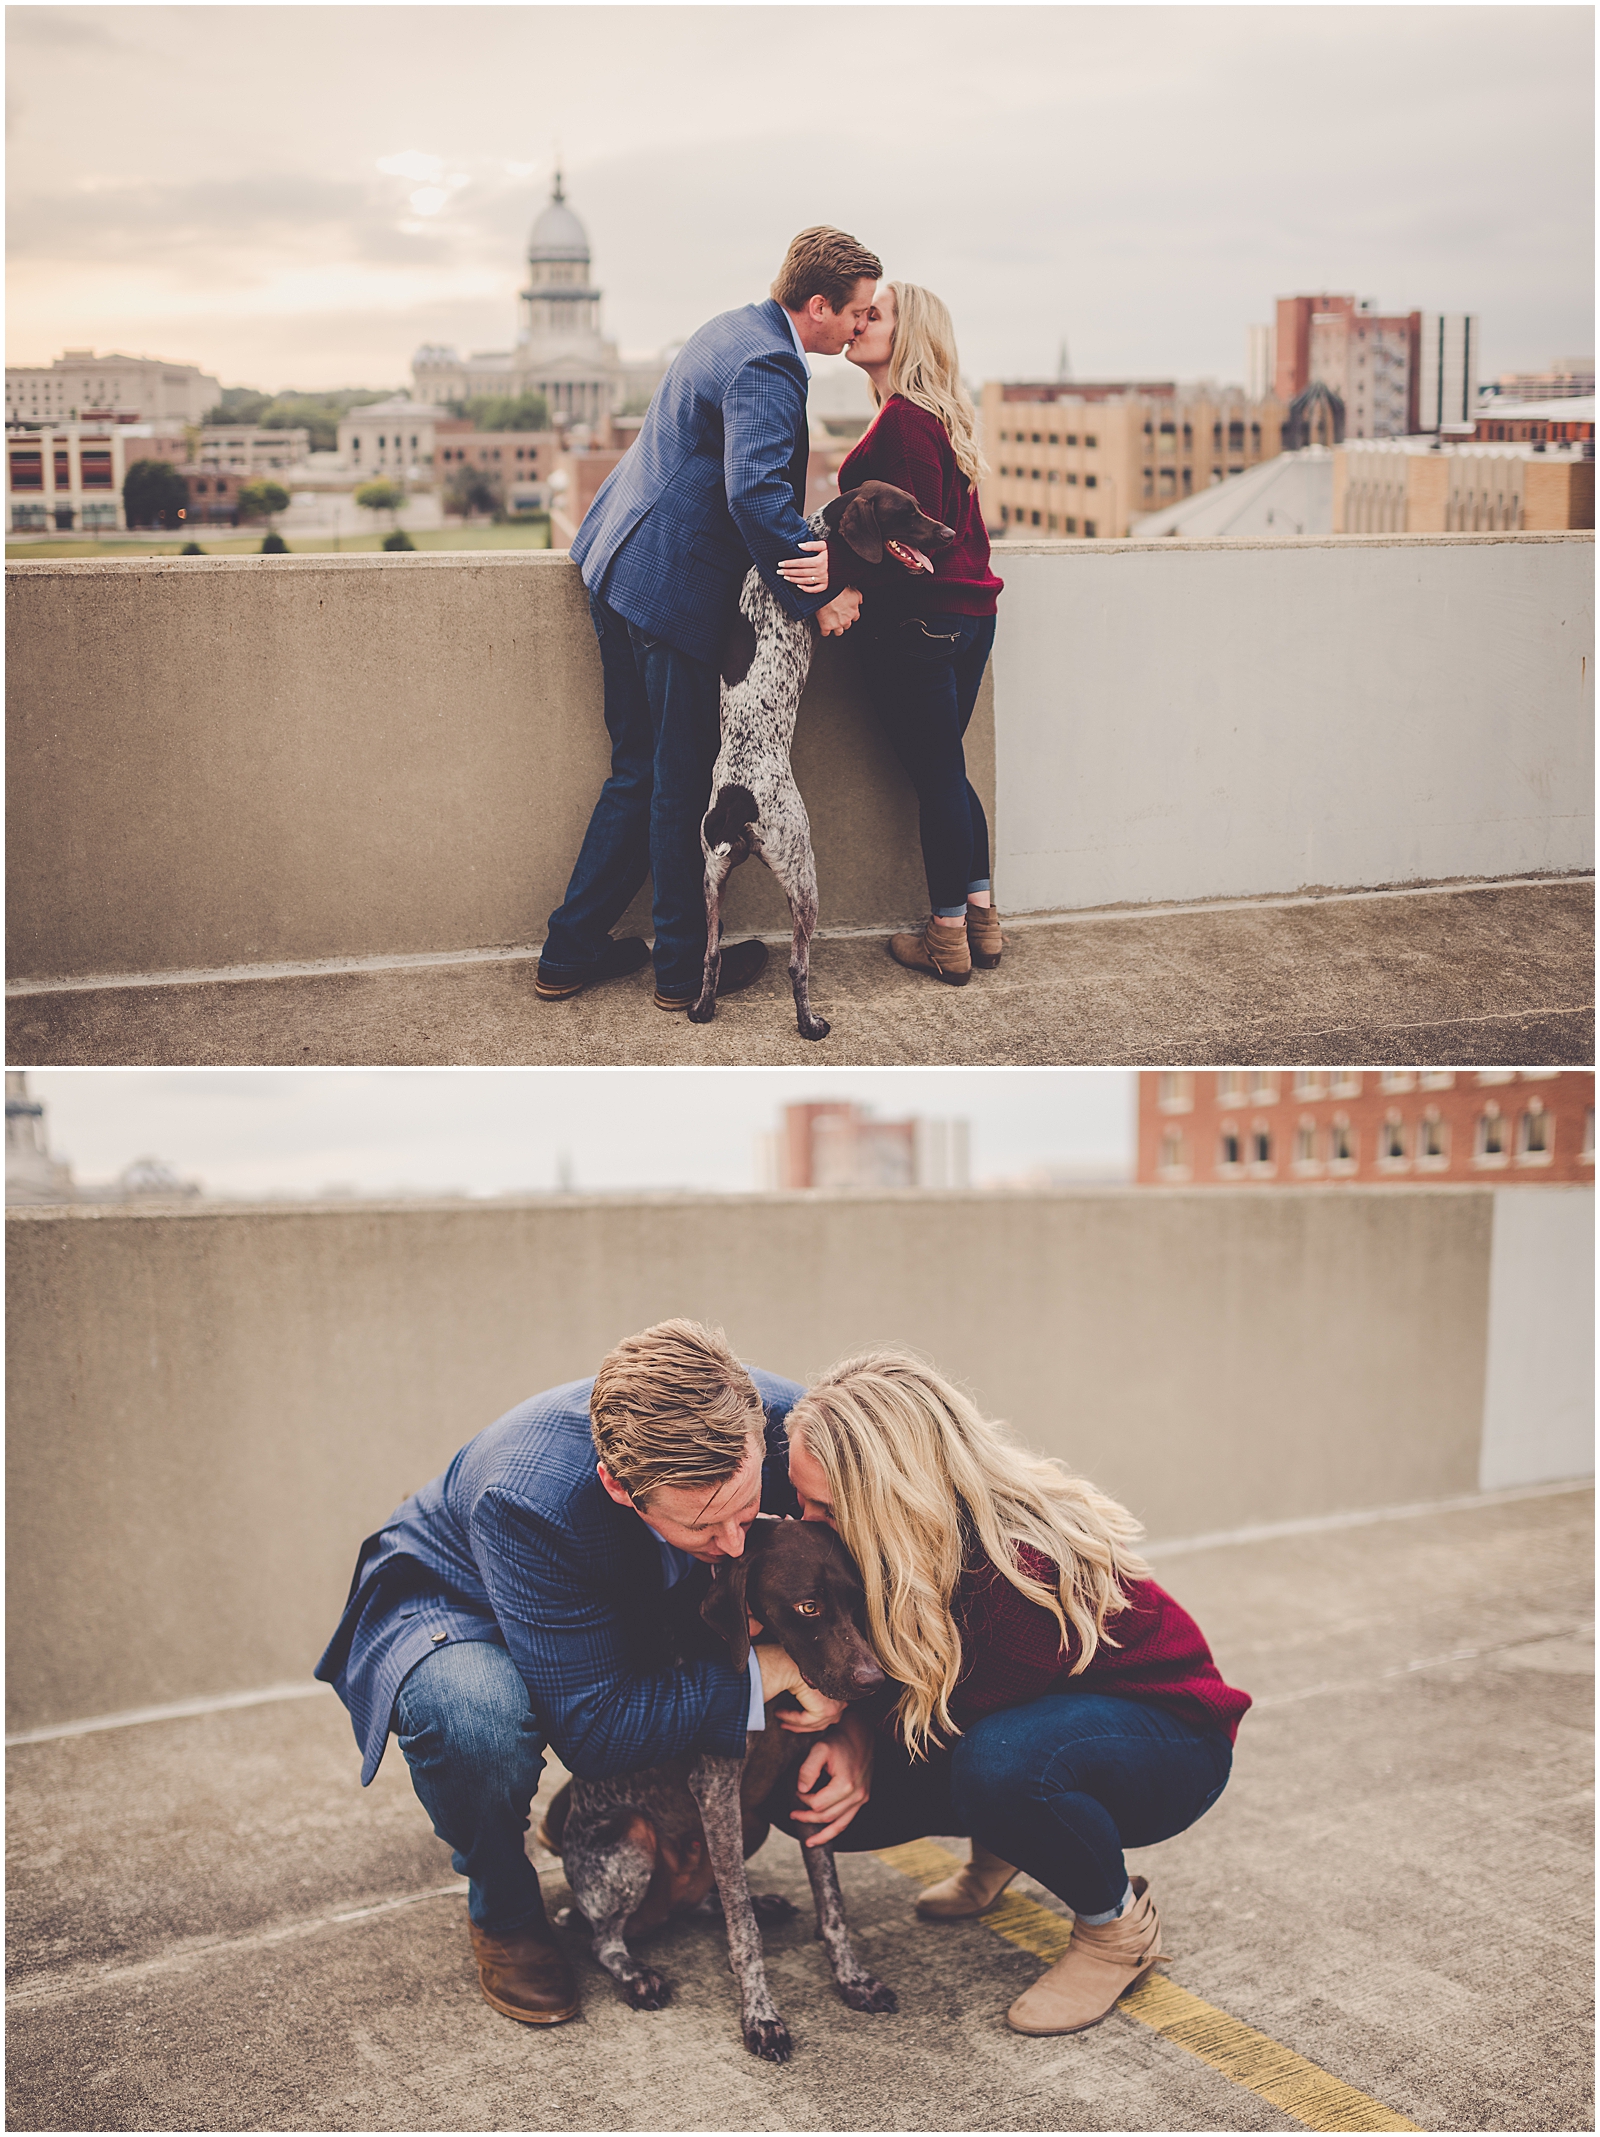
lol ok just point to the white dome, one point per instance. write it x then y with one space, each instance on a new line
558 234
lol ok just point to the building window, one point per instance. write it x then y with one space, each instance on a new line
1392 1140
1036 519
1433 1141
1397 1080
1090 441
27 471
1308 1083
1090 528
1090 481
1586 1154
1344 1083
1497 1076
1175 1092
1437 1079
1534 1135
1305 1146
1230 1087
1263 1089
1072 526
1491 1142
1228 1148
1174 1162
1342 1145
1072 437
1260 1146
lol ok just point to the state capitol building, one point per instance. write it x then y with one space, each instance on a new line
560 350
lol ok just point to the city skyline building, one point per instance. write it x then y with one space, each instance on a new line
1365 1127
835 1146
80 386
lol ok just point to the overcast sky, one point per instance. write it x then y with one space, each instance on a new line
300 195
249 1132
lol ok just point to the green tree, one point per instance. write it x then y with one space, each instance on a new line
472 489
263 500
319 413
522 411
274 546
154 493
191 549
381 497
239 404
398 539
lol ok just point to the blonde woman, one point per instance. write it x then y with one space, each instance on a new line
924 641
1057 1706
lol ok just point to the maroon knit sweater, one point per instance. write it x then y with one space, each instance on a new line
1012 1652
911 448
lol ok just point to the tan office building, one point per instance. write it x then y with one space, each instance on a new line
1084 461
1418 486
80 386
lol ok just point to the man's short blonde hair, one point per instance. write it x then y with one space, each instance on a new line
823 263
672 1407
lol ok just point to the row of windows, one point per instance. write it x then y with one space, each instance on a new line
27 471
1425 1142
1024 437
1025 474
1048 521
1260 1087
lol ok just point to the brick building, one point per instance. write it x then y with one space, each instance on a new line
1433 486
1085 461
836 1146
1330 1127
1397 373
67 479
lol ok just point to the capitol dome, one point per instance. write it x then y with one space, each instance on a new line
558 234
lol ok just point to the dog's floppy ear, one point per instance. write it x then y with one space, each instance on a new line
724 1607
857 524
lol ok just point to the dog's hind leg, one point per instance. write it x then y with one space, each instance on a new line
795 867
714 1784
609 1868
854 1983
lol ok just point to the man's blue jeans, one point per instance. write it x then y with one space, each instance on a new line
476 1752
1059 1786
663 711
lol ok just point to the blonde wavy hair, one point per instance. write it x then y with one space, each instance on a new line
923 1484
925 370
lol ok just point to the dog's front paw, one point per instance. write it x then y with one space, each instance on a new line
648 1992
703 1012
769 2038
814 1027
869 1995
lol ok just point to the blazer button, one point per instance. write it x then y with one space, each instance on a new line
438 1636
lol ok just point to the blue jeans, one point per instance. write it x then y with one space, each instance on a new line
476 1753
663 712
923 674
1059 1786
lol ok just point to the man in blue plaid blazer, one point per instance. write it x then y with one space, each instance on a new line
715 482
515 1602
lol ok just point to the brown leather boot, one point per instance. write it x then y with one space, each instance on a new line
525 1974
983 936
1100 1964
975 1886
939 951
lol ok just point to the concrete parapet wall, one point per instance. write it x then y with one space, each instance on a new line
217 762
1183 720
245 760
207 1411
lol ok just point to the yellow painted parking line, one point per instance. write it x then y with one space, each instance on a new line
1251 2059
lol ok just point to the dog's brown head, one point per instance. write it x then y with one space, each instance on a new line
798 1579
878 520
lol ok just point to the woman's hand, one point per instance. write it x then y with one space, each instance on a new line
845 1755
781 1673
807 574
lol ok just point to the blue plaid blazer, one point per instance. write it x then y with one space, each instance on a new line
518 1544
715 479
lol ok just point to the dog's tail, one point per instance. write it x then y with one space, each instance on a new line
728 819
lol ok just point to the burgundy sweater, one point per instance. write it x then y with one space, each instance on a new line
1012 1652
911 449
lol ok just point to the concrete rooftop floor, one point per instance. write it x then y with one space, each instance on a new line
212 1927
1491 974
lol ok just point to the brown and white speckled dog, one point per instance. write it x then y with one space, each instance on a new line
638 1847
755 804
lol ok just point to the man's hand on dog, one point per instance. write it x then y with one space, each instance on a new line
781 1673
844 1754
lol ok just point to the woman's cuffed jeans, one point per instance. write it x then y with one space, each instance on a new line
1058 1786
476 1752
922 674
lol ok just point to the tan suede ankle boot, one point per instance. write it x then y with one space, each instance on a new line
975 1886
939 951
983 937
1100 1964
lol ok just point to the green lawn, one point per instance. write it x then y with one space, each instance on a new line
514 535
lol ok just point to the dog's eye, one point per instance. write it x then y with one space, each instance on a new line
809 1610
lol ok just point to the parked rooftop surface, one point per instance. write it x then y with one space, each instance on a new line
1496 973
